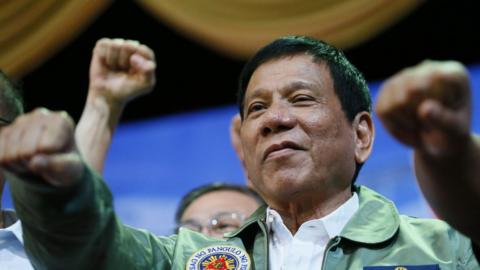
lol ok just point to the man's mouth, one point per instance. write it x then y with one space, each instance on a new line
279 148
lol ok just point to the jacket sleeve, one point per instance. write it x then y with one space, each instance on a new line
77 228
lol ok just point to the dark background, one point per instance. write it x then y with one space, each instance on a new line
191 76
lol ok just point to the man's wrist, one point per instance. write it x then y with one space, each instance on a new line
105 106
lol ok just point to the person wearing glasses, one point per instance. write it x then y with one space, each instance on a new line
306 129
216 208
105 103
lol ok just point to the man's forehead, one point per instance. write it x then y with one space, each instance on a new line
286 74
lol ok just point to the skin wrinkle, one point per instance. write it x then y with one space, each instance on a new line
307 183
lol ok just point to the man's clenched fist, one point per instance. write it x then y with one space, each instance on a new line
42 143
428 107
121 69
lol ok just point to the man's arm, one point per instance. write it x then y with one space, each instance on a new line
66 209
120 70
428 107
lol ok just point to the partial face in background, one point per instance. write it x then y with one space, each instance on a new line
296 138
5 119
218 212
10 107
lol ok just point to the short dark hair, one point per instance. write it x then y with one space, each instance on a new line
196 193
349 84
11 100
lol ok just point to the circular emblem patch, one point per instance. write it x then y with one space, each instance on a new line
219 257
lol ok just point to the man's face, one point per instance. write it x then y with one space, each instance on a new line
296 139
218 212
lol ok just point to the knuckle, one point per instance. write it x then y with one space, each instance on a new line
41 112
118 41
101 43
132 42
104 41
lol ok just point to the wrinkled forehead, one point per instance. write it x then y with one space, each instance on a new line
288 73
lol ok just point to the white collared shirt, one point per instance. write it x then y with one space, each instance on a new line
12 253
306 248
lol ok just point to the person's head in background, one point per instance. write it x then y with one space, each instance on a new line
11 106
216 208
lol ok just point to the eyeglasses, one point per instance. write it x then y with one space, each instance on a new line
216 225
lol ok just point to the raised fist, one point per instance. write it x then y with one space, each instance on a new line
121 70
428 107
42 143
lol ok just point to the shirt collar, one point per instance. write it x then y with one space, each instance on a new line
376 220
15 229
332 223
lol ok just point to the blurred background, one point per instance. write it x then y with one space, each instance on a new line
176 138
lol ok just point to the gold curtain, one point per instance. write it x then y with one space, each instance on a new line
32 30
240 27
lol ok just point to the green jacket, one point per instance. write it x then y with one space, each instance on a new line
78 229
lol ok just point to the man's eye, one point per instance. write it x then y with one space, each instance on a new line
254 107
302 98
226 227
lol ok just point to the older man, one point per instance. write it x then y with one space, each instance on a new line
306 131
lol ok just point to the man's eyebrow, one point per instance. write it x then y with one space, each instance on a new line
191 221
295 85
291 87
258 92
298 85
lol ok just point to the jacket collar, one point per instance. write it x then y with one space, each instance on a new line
375 221
255 221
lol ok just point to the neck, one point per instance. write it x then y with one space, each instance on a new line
296 212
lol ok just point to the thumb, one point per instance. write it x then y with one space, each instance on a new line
60 170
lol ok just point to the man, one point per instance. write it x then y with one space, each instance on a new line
111 87
306 131
216 208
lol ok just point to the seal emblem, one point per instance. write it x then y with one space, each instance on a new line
222 257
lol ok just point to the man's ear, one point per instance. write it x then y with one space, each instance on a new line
235 125
364 136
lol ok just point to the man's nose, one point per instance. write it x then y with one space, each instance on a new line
278 118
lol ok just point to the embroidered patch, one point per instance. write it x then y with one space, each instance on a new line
404 267
219 257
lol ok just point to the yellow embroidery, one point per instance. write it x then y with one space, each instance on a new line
222 262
